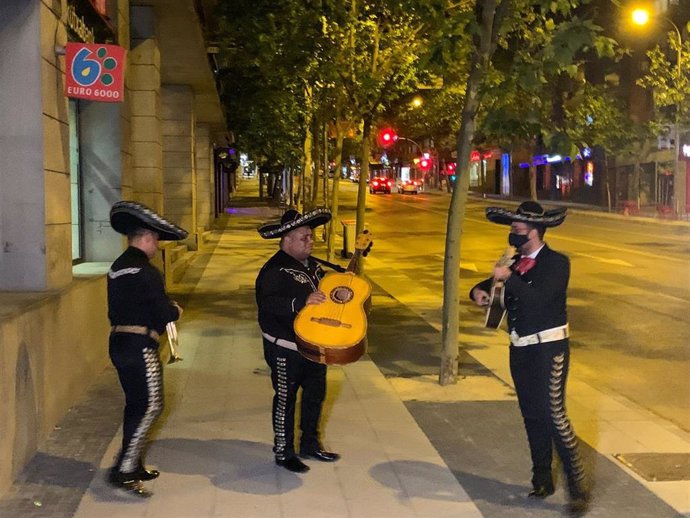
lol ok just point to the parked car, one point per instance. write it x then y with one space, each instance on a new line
409 186
380 184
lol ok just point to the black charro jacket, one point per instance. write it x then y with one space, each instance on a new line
282 288
536 300
136 293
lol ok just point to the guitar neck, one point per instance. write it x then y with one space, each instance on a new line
353 265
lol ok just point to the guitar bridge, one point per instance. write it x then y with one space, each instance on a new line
330 322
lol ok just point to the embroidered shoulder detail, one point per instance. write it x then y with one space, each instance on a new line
124 271
300 277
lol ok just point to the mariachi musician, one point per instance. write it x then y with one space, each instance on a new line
285 284
535 298
138 309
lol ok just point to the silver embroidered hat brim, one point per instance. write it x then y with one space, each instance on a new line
535 215
292 220
126 216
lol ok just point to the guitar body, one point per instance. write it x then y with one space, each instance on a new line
335 332
496 308
495 311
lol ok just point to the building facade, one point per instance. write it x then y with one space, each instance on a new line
64 162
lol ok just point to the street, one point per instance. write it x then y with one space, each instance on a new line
629 293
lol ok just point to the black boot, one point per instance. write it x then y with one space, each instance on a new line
127 482
147 474
319 454
293 464
541 491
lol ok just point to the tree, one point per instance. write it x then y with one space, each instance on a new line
379 44
543 32
670 85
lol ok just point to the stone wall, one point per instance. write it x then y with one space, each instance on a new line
51 347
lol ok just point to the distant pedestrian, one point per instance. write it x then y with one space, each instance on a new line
139 310
286 283
535 299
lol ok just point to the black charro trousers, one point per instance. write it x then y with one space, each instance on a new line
139 369
290 371
540 373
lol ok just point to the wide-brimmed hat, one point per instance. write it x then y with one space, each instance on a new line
528 212
127 216
292 220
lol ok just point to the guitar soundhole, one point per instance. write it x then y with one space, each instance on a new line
342 295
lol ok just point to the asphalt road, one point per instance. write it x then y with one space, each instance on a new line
629 295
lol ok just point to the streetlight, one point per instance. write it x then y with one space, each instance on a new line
641 17
417 101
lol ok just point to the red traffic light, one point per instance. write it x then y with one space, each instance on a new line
425 164
450 167
387 137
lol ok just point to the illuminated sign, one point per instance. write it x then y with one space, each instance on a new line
95 72
685 152
589 173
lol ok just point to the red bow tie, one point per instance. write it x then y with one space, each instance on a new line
524 265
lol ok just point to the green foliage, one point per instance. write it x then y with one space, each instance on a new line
669 82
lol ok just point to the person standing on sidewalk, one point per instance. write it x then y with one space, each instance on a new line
138 309
535 299
286 283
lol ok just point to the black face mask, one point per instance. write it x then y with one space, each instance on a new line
517 240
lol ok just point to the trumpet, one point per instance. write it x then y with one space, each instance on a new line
171 331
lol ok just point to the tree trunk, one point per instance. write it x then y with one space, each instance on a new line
316 153
363 177
533 182
307 163
490 18
325 163
338 159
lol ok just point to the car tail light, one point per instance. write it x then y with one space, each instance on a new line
375 183
390 183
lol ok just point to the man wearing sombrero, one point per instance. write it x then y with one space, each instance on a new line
535 299
139 310
286 283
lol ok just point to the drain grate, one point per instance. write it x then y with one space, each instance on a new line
658 467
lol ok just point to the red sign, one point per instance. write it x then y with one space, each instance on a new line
95 71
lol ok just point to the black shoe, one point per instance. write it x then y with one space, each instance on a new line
541 492
293 464
128 482
146 474
319 454
578 507
579 503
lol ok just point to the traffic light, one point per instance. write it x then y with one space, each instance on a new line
450 167
387 137
425 164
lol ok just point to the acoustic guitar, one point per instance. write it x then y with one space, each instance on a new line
335 332
496 308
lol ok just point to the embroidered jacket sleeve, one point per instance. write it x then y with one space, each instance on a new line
136 293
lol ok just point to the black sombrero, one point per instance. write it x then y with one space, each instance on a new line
127 216
292 220
528 212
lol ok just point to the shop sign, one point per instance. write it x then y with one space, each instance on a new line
79 26
95 71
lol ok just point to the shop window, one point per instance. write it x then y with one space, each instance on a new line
76 184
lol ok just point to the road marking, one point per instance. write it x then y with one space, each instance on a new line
618 262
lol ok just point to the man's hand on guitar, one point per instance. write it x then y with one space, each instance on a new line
480 297
316 298
501 273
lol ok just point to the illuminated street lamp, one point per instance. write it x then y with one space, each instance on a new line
417 101
641 17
